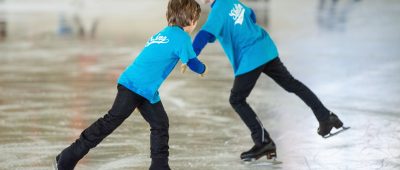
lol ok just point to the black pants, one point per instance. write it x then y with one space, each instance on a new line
125 103
244 84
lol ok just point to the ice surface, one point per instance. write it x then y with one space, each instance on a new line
347 53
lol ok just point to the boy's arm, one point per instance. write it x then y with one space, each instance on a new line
201 40
196 66
189 58
253 16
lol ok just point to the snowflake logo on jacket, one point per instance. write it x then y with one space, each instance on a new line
237 13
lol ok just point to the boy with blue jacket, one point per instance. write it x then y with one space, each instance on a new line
138 88
251 52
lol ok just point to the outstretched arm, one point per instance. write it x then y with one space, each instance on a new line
201 40
196 66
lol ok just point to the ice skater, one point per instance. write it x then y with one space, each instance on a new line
251 52
138 88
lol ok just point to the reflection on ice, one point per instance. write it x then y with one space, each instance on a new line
333 14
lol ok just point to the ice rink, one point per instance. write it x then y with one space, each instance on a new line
59 62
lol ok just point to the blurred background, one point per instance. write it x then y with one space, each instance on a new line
60 59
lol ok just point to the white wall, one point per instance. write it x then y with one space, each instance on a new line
118 19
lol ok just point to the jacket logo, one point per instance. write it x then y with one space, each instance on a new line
237 13
157 39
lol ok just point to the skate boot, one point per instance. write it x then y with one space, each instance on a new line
159 164
70 156
325 127
256 152
63 163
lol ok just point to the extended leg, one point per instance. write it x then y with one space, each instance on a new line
327 120
278 72
124 104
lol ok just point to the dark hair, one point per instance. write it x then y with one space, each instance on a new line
182 12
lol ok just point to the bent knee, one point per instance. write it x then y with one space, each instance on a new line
160 126
236 99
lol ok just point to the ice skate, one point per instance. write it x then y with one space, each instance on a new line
159 164
67 160
325 127
256 152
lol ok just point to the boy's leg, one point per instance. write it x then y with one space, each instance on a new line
278 72
242 87
156 116
125 102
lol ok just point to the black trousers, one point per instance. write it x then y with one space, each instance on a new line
125 103
244 84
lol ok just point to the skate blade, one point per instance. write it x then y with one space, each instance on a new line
343 128
271 155
267 162
271 160
248 161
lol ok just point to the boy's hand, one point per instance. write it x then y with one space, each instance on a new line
183 68
205 71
